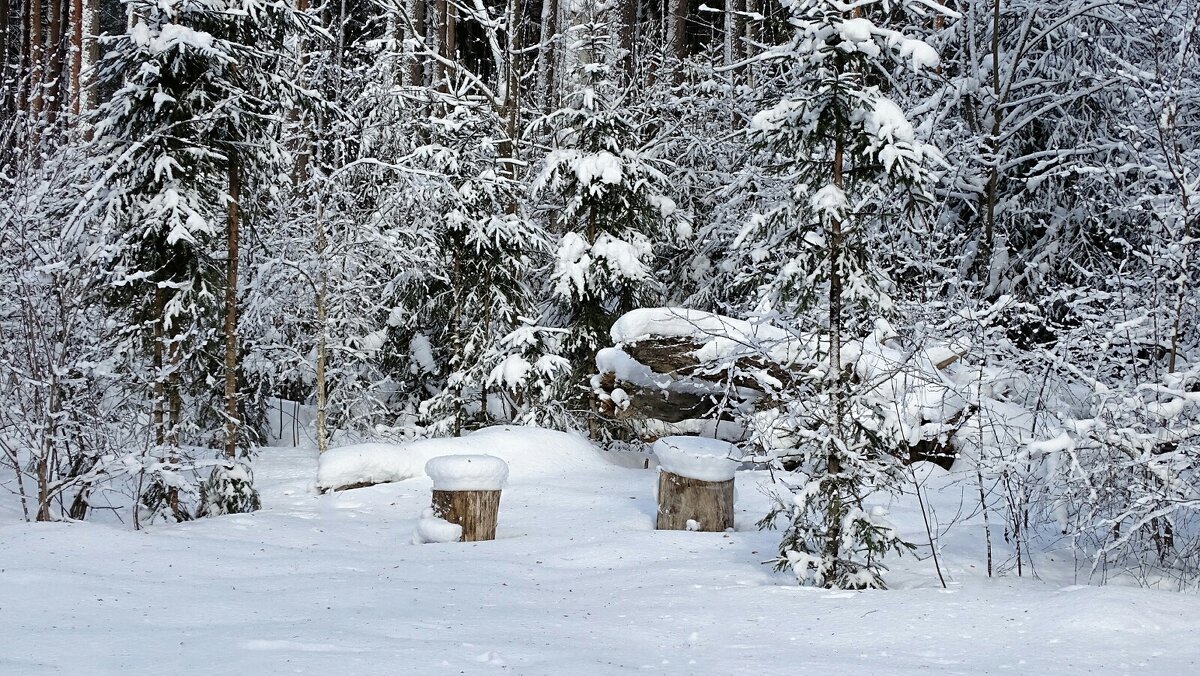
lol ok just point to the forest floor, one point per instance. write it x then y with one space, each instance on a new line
578 582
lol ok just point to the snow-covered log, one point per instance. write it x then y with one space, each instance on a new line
676 365
695 483
466 492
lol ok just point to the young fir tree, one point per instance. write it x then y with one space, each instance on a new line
613 204
192 120
485 251
852 163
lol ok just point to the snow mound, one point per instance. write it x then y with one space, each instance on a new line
467 472
678 322
531 452
433 528
697 457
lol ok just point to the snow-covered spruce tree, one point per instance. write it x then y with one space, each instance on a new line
612 202
477 293
193 118
855 170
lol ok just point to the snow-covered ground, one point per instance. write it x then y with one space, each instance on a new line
577 583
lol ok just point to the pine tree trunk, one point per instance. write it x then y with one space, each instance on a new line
90 54
838 394
438 26
512 99
628 37
5 54
232 417
677 38
159 389
35 59
322 334
547 55
54 39
416 66
76 55
174 396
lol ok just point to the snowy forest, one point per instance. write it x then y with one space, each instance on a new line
854 239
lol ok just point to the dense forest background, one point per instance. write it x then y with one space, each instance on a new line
421 217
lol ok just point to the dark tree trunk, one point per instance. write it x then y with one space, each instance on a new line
416 67
628 38
232 416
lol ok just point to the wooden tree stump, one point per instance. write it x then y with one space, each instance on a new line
475 511
695 483
709 504
466 491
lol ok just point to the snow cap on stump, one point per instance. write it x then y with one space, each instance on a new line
467 472
697 458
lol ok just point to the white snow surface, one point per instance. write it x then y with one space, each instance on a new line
529 452
856 30
719 337
699 458
679 322
578 582
434 529
467 472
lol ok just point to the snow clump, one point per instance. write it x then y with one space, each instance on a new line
432 528
467 472
697 458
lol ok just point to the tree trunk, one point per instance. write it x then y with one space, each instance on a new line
548 54
438 28
839 394
76 56
677 38
416 66
512 99
322 333
6 102
475 511
54 40
35 59
708 505
628 38
159 389
232 418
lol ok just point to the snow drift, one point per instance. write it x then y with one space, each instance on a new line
531 452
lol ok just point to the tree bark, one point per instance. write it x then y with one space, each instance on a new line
475 511
627 34
322 334
677 38
76 55
708 504
54 40
35 58
548 54
232 417
416 66
5 54
160 405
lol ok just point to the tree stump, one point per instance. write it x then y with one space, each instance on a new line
695 483
708 505
475 511
466 491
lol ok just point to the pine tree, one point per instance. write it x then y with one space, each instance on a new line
478 291
849 157
612 202
192 119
